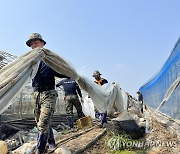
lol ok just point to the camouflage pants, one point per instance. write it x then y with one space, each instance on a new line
44 106
73 100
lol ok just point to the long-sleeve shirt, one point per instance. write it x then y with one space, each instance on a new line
70 87
45 76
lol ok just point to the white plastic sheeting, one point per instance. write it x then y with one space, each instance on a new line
18 74
15 76
88 107
107 98
114 100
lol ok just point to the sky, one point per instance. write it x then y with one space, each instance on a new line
128 41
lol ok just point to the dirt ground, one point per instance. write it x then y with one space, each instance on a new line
165 141
99 147
160 141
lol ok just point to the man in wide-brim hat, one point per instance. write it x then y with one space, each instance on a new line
34 37
44 97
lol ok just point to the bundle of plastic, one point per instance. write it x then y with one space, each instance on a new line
17 75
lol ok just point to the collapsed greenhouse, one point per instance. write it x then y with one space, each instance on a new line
16 106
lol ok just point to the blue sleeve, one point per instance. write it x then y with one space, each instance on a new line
59 84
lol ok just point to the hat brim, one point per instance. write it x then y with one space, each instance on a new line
28 43
96 75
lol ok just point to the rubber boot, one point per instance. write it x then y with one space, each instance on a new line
103 119
97 114
71 122
51 140
41 142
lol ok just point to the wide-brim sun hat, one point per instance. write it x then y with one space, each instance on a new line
34 37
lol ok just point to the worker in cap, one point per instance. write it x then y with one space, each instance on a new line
44 97
140 99
100 81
